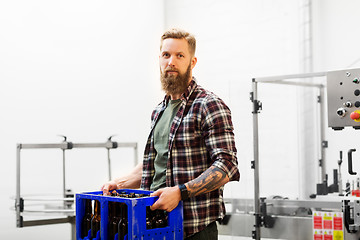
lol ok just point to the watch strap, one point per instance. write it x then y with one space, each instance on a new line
184 192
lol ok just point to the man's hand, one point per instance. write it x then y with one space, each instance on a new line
169 198
107 187
131 180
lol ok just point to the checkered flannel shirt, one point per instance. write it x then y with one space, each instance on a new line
201 136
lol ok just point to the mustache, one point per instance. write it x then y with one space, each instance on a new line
171 69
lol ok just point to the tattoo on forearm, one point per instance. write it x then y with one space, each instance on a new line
208 181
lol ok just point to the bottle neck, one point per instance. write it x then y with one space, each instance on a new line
123 211
88 207
97 208
114 209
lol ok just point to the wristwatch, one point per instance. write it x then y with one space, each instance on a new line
184 192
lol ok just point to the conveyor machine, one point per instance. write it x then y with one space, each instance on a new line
56 209
321 216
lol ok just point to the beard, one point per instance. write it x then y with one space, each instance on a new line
175 84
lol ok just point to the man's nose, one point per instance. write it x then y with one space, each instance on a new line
171 62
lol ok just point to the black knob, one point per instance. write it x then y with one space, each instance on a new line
357 92
357 104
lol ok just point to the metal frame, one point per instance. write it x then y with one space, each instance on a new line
293 218
65 145
256 109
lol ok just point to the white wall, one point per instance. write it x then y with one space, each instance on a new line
336 46
84 69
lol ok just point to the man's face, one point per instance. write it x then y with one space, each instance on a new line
176 64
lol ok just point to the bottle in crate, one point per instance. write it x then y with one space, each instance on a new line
96 219
114 219
123 224
86 222
160 219
156 218
136 221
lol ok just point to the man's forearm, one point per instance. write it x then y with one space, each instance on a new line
131 180
211 179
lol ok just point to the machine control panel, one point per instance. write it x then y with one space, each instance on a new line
343 95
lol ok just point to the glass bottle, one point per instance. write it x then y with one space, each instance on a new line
95 221
114 219
123 224
86 222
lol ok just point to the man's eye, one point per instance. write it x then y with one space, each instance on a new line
181 56
165 54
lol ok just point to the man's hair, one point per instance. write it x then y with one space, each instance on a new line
180 34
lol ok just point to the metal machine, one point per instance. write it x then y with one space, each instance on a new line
344 99
277 217
344 111
64 211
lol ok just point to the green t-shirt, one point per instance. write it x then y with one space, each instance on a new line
161 143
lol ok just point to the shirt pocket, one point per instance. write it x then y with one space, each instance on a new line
189 134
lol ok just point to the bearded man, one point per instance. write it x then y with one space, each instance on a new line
190 153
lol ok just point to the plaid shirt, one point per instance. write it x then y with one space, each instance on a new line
201 135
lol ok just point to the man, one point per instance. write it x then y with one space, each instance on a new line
190 153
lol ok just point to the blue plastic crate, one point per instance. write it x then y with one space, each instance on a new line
136 211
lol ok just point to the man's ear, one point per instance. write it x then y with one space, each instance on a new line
193 62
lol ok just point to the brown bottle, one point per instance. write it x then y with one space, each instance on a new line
86 222
114 219
123 224
160 220
95 221
149 219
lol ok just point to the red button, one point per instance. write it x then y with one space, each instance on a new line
354 115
